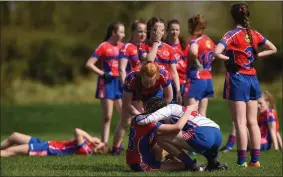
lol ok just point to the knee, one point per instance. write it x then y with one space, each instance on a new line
14 135
107 119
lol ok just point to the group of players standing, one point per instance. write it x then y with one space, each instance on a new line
179 71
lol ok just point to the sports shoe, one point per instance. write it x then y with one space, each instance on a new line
214 165
243 164
256 164
225 149
192 153
194 167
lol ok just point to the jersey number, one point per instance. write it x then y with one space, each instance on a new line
250 52
206 59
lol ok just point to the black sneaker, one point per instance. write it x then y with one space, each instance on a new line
194 167
216 167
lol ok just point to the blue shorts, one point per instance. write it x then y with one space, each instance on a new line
265 147
144 98
239 87
182 88
38 147
203 139
109 89
199 89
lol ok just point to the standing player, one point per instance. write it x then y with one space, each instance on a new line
109 88
21 144
141 85
181 52
129 54
199 86
241 84
157 51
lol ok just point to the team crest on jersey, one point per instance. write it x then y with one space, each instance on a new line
135 51
247 39
177 56
166 53
208 44
109 50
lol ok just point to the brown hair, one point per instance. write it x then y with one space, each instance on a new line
197 25
241 13
151 22
181 38
148 69
267 96
135 25
113 27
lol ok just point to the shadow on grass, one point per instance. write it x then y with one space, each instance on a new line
101 167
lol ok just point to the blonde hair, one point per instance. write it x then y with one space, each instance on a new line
267 96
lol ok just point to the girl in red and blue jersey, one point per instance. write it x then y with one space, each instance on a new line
268 123
129 61
159 52
21 144
180 48
199 86
109 88
140 85
128 58
140 155
241 84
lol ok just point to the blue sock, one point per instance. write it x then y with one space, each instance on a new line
231 141
255 155
185 158
242 154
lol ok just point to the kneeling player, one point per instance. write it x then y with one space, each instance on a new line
21 144
199 134
140 154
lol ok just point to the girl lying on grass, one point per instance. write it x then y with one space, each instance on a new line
82 144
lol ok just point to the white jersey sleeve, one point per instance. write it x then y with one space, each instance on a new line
165 113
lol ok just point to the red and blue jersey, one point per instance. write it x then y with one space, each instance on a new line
69 147
270 115
165 56
130 52
139 148
108 54
162 82
238 48
205 56
181 57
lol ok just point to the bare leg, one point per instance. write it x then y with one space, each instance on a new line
107 112
15 139
203 106
172 166
279 140
123 124
15 150
252 124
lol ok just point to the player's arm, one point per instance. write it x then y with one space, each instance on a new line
194 55
279 139
90 64
168 93
178 126
127 104
82 135
176 79
271 49
218 52
161 114
272 129
123 62
150 56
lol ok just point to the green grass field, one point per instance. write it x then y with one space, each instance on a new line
58 121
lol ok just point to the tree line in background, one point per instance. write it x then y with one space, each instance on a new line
51 41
